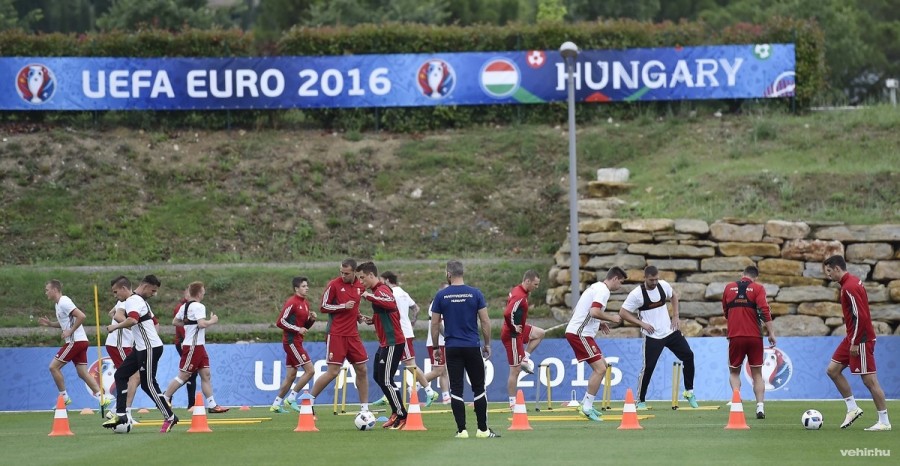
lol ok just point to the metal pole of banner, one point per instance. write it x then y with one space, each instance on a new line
569 52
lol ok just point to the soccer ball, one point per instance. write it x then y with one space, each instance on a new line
364 420
811 419
122 428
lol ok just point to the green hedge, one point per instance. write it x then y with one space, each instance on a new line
395 38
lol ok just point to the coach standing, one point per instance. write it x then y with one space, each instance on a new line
460 307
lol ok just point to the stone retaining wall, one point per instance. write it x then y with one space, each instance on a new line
699 259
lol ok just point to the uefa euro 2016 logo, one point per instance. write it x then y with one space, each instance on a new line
436 79
35 83
109 373
776 369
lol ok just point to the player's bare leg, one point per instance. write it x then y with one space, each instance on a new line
759 391
734 378
835 372
512 384
326 378
598 368
362 382
83 374
534 339
871 382
56 372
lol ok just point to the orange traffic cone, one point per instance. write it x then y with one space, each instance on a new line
520 414
736 419
198 419
307 420
245 408
414 414
87 411
629 413
60 419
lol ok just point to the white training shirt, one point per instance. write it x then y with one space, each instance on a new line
64 308
404 302
144 333
440 337
193 334
657 317
121 338
582 323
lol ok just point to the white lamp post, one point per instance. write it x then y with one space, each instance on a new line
569 52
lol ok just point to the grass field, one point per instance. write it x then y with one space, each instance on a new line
671 437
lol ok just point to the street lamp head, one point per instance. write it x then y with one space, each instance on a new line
568 50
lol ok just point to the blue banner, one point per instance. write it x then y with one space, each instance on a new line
400 80
250 374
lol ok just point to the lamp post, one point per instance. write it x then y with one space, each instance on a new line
569 52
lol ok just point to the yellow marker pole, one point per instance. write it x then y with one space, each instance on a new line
99 350
344 395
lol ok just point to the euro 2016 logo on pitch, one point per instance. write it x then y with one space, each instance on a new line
35 83
436 79
109 376
776 369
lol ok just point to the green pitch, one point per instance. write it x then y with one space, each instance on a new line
671 437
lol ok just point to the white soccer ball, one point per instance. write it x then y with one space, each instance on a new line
811 419
364 420
122 428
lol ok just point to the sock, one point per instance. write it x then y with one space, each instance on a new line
689 392
587 403
760 408
364 406
292 396
512 400
527 355
277 401
429 390
211 402
883 418
445 395
851 403
64 394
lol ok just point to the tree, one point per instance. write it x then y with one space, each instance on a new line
589 10
166 14
11 18
552 11
276 16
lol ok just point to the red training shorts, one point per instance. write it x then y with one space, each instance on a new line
117 354
295 355
739 347
193 358
408 351
859 365
73 352
339 348
443 351
585 348
515 346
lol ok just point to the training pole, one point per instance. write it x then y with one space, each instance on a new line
99 350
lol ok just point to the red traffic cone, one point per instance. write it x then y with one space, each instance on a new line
520 414
60 420
307 420
736 419
629 413
414 414
198 419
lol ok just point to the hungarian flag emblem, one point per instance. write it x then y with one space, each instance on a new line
500 78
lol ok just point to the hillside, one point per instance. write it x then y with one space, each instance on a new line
86 196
